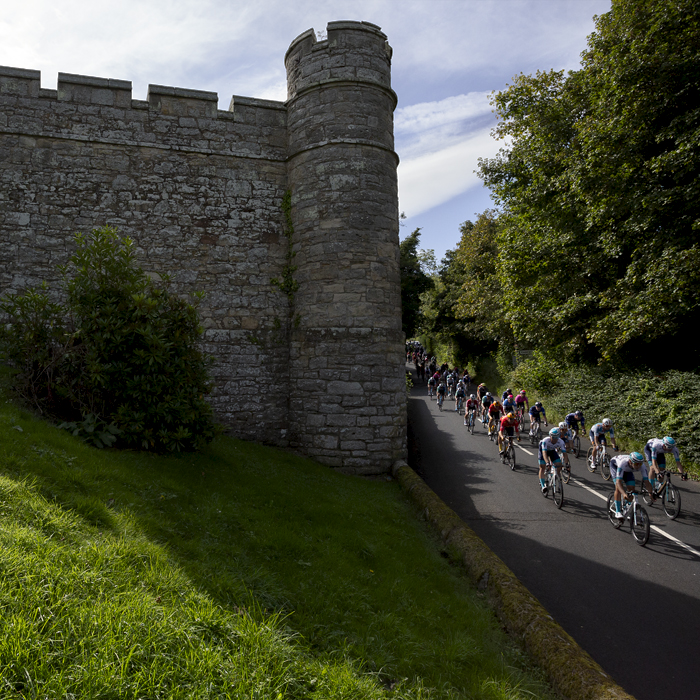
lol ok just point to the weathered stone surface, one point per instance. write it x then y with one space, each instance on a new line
200 191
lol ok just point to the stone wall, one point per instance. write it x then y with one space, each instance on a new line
200 191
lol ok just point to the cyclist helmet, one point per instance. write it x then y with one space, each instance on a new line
554 433
607 423
669 442
510 396
636 459
508 392
579 414
522 391
563 426
488 393
538 404
511 416
472 397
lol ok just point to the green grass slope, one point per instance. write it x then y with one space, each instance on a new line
242 572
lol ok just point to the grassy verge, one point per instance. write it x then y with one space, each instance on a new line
240 572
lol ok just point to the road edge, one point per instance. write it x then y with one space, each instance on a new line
570 670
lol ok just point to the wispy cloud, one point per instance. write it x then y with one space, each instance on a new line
431 179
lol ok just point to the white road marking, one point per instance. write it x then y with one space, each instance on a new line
532 454
653 527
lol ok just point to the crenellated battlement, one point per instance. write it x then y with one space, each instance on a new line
200 190
109 92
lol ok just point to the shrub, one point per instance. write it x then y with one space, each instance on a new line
126 355
640 403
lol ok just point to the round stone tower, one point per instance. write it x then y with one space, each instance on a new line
348 397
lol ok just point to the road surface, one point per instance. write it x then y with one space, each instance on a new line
635 609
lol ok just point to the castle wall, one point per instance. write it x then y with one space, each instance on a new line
200 191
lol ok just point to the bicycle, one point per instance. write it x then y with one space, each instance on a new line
535 433
508 456
554 484
576 444
460 405
493 431
470 420
430 391
440 399
635 513
670 496
565 467
602 461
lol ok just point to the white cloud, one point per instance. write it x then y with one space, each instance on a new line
434 178
451 110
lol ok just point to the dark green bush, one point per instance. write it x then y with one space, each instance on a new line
641 404
121 351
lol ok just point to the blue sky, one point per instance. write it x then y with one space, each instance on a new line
448 56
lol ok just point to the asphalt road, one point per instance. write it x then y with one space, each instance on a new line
635 609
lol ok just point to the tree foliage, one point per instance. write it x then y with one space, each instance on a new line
599 186
121 351
414 280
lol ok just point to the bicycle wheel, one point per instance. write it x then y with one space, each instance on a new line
471 423
566 473
533 438
640 525
671 501
577 446
589 460
510 457
557 491
611 512
605 467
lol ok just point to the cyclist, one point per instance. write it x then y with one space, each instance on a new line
450 384
431 386
509 404
486 402
547 455
537 413
460 394
597 436
495 413
507 427
481 391
622 468
441 391
521 403
506 394
573 419
656 450
567 435
472 405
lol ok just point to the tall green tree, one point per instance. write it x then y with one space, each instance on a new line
598 250
414 280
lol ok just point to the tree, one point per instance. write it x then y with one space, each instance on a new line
599 188
120 357
414 280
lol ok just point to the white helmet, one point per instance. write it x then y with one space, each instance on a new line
607 422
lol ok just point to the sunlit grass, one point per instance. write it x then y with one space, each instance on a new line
243 572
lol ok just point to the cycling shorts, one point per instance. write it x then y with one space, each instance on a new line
554 458
602 439
508 430
660 458
620 475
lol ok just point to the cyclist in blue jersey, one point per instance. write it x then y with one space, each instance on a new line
656 450
573 420
537 414
598 437
622 468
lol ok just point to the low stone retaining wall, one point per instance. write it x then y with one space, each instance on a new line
571 671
